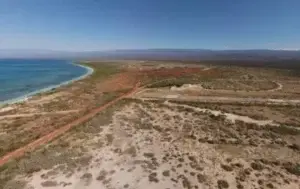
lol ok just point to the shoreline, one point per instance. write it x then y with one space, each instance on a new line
89 71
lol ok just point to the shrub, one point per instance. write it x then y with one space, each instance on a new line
293 169
256 166
223 184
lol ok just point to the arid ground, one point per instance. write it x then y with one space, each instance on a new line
181 126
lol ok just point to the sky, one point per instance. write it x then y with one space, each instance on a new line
92 25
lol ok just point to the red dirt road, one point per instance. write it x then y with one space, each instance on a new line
47 138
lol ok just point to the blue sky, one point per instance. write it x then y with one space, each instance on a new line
78 25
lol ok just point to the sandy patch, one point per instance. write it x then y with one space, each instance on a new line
6 109
150 145
229 116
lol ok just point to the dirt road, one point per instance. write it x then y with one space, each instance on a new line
47 138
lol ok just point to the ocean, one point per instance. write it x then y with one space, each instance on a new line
22 78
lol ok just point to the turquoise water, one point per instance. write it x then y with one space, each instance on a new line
19 78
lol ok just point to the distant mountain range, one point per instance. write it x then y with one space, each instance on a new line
159 54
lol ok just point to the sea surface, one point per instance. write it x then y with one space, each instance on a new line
20 78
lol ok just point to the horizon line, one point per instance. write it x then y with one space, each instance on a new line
140 49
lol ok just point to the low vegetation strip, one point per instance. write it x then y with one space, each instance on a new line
45 139
101 70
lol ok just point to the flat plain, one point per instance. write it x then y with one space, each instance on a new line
186 126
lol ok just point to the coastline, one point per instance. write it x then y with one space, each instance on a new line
89 71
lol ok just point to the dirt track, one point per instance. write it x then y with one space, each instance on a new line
43 140
40 113
215 99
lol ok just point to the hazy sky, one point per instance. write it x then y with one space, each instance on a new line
132 24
